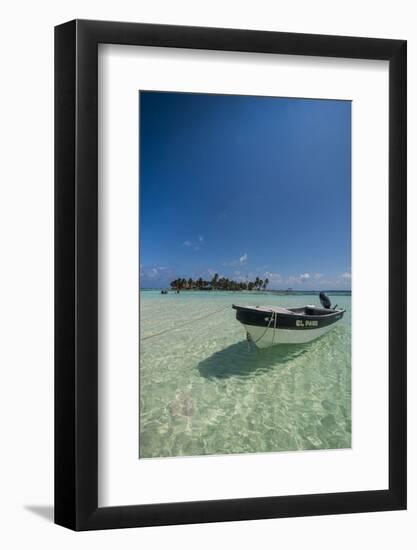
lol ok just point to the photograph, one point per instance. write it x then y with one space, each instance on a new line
207 237
245 274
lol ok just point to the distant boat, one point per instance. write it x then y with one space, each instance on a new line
271 325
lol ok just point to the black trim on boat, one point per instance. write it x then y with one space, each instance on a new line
303 318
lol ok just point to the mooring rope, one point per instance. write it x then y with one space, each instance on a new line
184 324
275 328
273 316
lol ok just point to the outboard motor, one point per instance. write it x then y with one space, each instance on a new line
325 301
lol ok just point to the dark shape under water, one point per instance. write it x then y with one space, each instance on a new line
244 360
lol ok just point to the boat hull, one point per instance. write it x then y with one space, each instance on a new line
267 337
269 326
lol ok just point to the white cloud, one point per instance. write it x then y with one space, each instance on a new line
195 244
299 278
155 272
274 278
243 259
240 261
346 275
318 276
150 272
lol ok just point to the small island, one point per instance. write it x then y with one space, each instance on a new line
216 283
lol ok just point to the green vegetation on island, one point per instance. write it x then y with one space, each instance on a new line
216 283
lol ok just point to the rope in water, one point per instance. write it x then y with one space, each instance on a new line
184 324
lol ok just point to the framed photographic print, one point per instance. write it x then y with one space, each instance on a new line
230 275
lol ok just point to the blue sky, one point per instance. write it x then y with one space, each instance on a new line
245 186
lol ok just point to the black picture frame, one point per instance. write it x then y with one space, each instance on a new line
76 272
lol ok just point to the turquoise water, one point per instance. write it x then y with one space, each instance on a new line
205 390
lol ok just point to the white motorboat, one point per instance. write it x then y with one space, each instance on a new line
271 325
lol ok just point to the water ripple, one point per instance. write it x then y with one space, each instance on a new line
205 390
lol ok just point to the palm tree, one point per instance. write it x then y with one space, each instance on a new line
222 284
214 280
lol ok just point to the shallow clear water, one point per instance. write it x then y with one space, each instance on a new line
205 390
